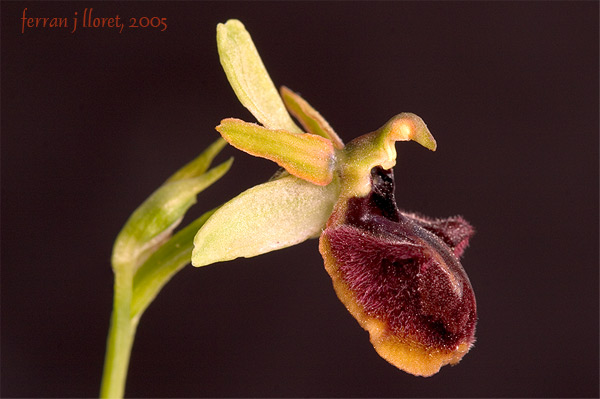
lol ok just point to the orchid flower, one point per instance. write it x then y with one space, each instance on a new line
397 273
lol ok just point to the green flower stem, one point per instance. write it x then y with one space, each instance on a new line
120 337
133 294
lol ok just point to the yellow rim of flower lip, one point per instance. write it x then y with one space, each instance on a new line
406 353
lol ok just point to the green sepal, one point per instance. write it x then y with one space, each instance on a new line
264 218
249 78
152 223
307 156
309 118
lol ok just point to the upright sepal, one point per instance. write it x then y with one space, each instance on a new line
249 78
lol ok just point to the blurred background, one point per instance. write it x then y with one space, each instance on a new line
94 121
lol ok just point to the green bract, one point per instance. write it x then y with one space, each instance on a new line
158 269
151 223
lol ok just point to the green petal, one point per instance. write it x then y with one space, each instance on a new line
267 217
310 119
307 156
249 78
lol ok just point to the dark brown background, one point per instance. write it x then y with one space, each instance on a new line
93 122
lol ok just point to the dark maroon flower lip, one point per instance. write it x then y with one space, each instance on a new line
399 275
379 214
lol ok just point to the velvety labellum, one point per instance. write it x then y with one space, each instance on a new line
400 277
